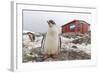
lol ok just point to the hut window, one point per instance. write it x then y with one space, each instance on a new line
72 26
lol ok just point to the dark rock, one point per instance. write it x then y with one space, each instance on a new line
39 59
74 47
73 55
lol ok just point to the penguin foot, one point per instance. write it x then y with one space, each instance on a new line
53 56
46 56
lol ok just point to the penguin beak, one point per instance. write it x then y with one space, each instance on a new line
50 25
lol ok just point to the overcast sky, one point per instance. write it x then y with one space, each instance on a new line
36 21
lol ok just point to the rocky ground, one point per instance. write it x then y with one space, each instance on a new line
75 46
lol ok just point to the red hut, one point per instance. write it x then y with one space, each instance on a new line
76 26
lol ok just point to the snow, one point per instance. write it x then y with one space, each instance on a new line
67 45
65 40
75 50
38 41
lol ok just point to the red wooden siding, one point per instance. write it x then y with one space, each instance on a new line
76 26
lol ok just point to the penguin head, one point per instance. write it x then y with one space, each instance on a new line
31 36
51 23
52 28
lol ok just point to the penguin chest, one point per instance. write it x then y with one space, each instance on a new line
51 44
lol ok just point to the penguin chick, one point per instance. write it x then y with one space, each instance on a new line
51 44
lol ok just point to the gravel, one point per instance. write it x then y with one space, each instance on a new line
74 47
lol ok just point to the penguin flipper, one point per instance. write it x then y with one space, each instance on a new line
43 41
59 43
